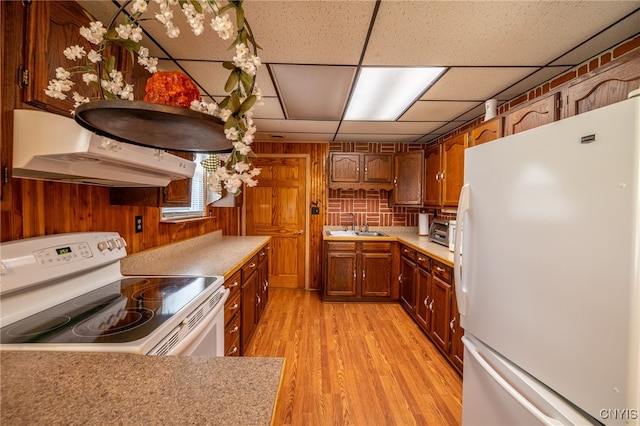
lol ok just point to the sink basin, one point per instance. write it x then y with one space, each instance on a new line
356 234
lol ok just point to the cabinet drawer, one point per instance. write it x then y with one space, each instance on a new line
442 271
231 307
249 268
383 246
408 252
233 348
341 246
262 255
231 332
233 284
423 261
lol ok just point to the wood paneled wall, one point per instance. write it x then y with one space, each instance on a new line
319 156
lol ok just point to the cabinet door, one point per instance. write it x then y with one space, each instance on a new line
408 284
423 314
408 178
440 305
263 282
432 176
52 26
538 113
486 132
249 308
341 276
376 274
345 167
457 348
453 169
377 168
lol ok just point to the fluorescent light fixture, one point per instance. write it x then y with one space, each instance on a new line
385 93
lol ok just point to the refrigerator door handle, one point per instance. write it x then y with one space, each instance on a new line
460 285
476 352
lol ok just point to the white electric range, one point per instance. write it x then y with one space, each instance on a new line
65 292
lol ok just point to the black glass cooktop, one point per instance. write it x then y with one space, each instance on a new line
123 311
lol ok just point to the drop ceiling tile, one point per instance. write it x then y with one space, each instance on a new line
293 137
212 77
270 108
310 32
490 33
389 127
532 81
475 83
324 99
297 126
375 137
625 29
437 110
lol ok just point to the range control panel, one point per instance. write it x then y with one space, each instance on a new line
33 260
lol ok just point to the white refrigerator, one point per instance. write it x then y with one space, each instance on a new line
547 273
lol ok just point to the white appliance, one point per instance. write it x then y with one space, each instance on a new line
549 285
64 292
48 146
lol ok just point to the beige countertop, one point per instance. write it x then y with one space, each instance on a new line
77 388
406 235
208 255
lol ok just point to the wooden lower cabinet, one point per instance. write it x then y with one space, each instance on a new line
248 297
359 270
232 316
427 294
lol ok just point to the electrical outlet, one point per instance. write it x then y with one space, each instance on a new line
138 224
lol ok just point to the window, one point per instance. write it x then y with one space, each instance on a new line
198 194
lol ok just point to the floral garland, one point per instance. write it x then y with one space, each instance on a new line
99 72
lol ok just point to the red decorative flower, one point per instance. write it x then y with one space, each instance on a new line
171 88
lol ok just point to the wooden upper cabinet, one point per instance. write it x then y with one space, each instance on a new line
407 189
486 132
352 170
345 167
535 114
432 176
378 168
52 26
604 86
176 194
453 170
444 172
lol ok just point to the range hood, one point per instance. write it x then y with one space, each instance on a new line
48 146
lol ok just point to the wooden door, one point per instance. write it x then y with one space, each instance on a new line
276 207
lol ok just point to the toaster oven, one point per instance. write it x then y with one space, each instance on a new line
439 232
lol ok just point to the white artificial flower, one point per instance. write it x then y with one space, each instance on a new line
222 25
88 77
56 88
95 33
225 114
139 6
127 93
195 19
124 31
79 100
231 133
242 148
136 34
241 166
143 52
74 52
62 74
94 56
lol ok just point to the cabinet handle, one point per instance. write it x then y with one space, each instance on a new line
257 299
234 350
253 265
363 275
234 329
354 274
421 259
439 269
234 284
452 324
233 307
426 301
431 306
400 277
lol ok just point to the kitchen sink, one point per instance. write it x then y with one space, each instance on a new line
356 234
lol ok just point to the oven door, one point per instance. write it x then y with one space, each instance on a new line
201 333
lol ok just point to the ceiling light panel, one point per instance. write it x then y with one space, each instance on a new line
313 92
383 94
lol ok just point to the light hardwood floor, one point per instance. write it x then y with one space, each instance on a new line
354 364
